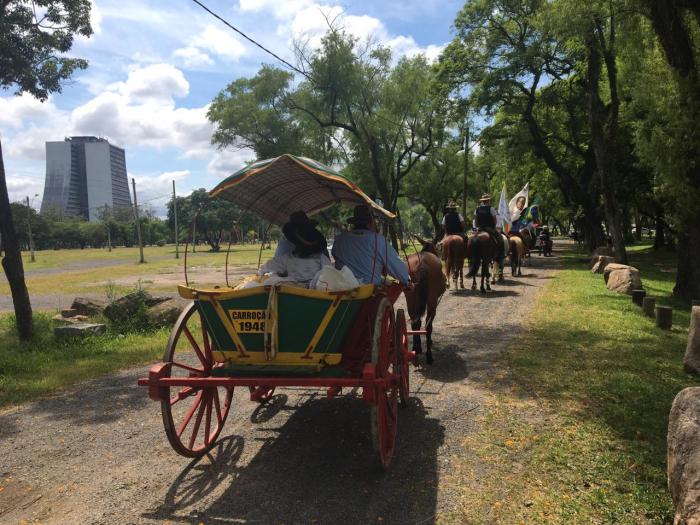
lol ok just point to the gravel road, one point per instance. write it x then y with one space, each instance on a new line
98 454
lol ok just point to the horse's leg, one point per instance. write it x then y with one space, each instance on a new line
432 307
447 272
474 281
417 348
520 266
487 267
461 275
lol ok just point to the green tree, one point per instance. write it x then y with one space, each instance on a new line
352 107
510 63
673 142
33 38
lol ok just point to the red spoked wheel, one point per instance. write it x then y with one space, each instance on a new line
384 414
193 416
404 356
261 394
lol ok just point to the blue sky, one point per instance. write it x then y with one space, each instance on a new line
155 66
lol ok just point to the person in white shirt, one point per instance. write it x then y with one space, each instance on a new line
305 259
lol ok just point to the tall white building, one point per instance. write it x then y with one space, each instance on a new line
83 175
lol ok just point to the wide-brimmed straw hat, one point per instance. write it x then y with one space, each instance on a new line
451 205
485 197
306 239
361 216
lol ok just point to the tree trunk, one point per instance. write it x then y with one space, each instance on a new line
12 262
437 225
638 226
659 237
602 119
688 277
676 37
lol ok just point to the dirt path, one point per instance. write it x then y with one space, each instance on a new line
98 454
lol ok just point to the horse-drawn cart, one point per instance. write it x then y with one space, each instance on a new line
282 336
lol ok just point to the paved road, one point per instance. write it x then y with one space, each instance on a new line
98 454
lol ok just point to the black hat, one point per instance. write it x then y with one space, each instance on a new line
306 239
361 216
300 217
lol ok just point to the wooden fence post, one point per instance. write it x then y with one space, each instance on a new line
637 296
664 317
648 305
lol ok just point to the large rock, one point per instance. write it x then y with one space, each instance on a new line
691 361
164 314
624 281
79 330
601 262
684 456
128 305
611 267
88 307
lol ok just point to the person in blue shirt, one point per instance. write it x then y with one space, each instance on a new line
367 252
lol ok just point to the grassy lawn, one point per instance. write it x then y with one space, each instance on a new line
576 432
60 278
44 365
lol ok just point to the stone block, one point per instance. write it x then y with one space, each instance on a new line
79 330
683 456
164 313
624 281
88 307
691 360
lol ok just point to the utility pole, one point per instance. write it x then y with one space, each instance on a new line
177 243
466 170
29 230
109 233
194 235
136 218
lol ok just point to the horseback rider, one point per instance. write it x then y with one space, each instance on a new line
485 217
546 239
453 222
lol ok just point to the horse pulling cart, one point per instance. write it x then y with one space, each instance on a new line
282 335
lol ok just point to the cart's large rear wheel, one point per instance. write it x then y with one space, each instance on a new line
403 355
384 414
193 417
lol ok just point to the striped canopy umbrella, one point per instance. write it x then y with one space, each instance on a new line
274 188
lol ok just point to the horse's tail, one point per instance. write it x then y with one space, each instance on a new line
475 260
423 285
448 256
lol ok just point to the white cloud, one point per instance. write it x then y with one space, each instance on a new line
21 186
219 42
407 46
153 82
311 21
14 111
226 162
192 57
279 9
210 41
138 111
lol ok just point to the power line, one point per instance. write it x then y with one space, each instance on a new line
249 39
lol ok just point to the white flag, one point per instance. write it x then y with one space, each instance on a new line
519 203
503 217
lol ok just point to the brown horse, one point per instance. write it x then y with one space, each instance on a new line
453 252
499 260
481 250
425 269
516 253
